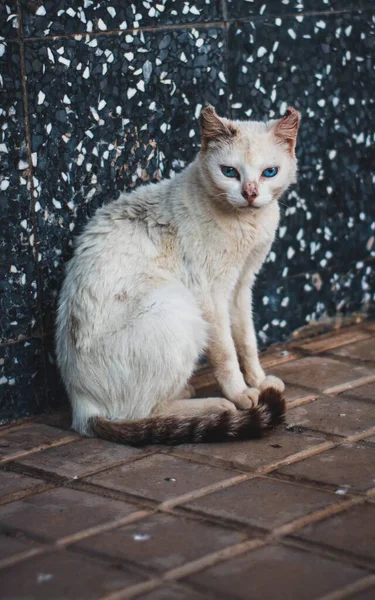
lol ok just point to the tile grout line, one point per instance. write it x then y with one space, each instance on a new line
104 527
61 543
210 489
241 477
274 361
343 557
309 484
226 55
342 387
46 446
347 591
134 590
320 515
264 470
175 574
31 190
235 550
217 557
358 437
21 495
308 399
21 556
220 23
348 360
195 494
114 494
62 481
214 558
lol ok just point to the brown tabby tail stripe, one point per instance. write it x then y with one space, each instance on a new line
203 428
273 400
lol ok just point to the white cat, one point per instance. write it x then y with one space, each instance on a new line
164 274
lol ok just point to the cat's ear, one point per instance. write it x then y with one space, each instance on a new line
286 129
213 128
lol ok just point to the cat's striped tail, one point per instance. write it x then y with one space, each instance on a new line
203 428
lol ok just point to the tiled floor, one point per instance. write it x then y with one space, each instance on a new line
289 517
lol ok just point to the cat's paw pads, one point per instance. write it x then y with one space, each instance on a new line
247 399
272 381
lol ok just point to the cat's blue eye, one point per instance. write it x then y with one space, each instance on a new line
230 172
270 172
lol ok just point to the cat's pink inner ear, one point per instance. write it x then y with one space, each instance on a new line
286 129
214 127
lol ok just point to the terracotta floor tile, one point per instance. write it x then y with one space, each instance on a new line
363 350
368 594
352 531
266 503
320 372
12 483
160 477
85 456
338 415
163 542
97 565
60 512
64 576
255 454
14 442
176 593
277 573
349 466
364 391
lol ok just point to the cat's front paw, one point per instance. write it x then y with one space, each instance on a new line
272 382
255 376
247 399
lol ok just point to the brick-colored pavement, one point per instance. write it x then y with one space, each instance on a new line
289 517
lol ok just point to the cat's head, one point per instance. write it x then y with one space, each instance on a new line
248 164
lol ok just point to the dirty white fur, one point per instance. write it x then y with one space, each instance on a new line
164 274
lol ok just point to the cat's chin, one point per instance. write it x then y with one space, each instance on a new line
249 207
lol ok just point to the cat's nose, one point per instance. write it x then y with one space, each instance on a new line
250 192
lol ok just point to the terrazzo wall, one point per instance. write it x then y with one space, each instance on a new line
98 97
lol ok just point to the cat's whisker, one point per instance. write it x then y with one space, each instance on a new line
284 204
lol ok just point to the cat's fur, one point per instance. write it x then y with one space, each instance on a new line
165 273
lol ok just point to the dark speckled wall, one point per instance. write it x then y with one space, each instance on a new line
97 97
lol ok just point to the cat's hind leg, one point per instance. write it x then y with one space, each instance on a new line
145 358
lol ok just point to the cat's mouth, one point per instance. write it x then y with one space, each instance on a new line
248 207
